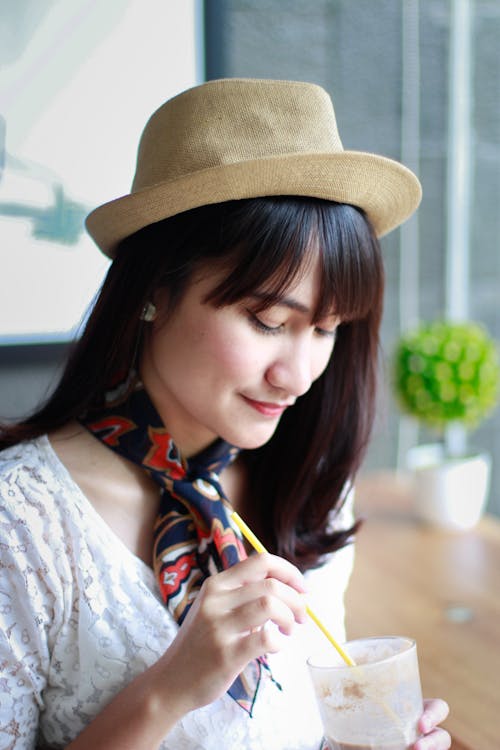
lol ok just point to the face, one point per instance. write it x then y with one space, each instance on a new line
231 372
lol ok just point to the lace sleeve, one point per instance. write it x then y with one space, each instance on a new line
26 616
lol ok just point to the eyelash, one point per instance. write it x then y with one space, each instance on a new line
326 334
260 326
274 330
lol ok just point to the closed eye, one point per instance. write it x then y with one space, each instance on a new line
262 327
270 330
326 333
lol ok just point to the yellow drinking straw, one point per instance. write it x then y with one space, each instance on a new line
259 547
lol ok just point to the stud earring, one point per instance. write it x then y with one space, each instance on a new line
149 312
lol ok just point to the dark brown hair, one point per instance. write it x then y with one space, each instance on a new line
300 476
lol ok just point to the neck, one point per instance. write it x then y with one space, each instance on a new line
188 434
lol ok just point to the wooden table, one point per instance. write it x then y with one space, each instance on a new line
442 589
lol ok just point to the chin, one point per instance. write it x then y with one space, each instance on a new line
249 442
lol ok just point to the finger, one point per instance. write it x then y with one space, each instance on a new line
256 613
233 599
438 739
261 641
435 711
267 640
258 567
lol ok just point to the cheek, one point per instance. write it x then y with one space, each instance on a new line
321 360
232 354
210 346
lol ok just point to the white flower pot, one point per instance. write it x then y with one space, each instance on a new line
449 492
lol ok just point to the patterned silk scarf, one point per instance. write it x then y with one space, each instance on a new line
193 537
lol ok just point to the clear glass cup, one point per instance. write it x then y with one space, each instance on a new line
374 705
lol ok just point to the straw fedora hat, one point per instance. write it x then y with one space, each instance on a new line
243 138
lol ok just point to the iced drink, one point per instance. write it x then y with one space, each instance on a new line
376 704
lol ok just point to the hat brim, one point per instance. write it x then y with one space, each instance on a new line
387 191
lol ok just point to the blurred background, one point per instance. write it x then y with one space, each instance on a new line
416 80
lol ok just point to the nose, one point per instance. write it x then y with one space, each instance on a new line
292 370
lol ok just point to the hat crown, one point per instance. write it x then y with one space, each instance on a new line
231 121
241 138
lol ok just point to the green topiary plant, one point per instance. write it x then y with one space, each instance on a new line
447 373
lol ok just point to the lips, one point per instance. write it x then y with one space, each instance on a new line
266 408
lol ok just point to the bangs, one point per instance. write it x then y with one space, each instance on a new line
352 275
269 242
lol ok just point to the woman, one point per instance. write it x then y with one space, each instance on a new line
245 255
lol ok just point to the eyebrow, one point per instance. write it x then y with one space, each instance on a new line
289 302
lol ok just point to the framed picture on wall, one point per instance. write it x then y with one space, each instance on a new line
78 79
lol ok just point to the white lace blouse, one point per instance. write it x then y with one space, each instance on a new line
81 616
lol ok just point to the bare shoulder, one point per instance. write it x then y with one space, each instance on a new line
71 442
93 466
121 492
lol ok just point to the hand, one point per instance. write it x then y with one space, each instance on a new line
224 629
435 711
